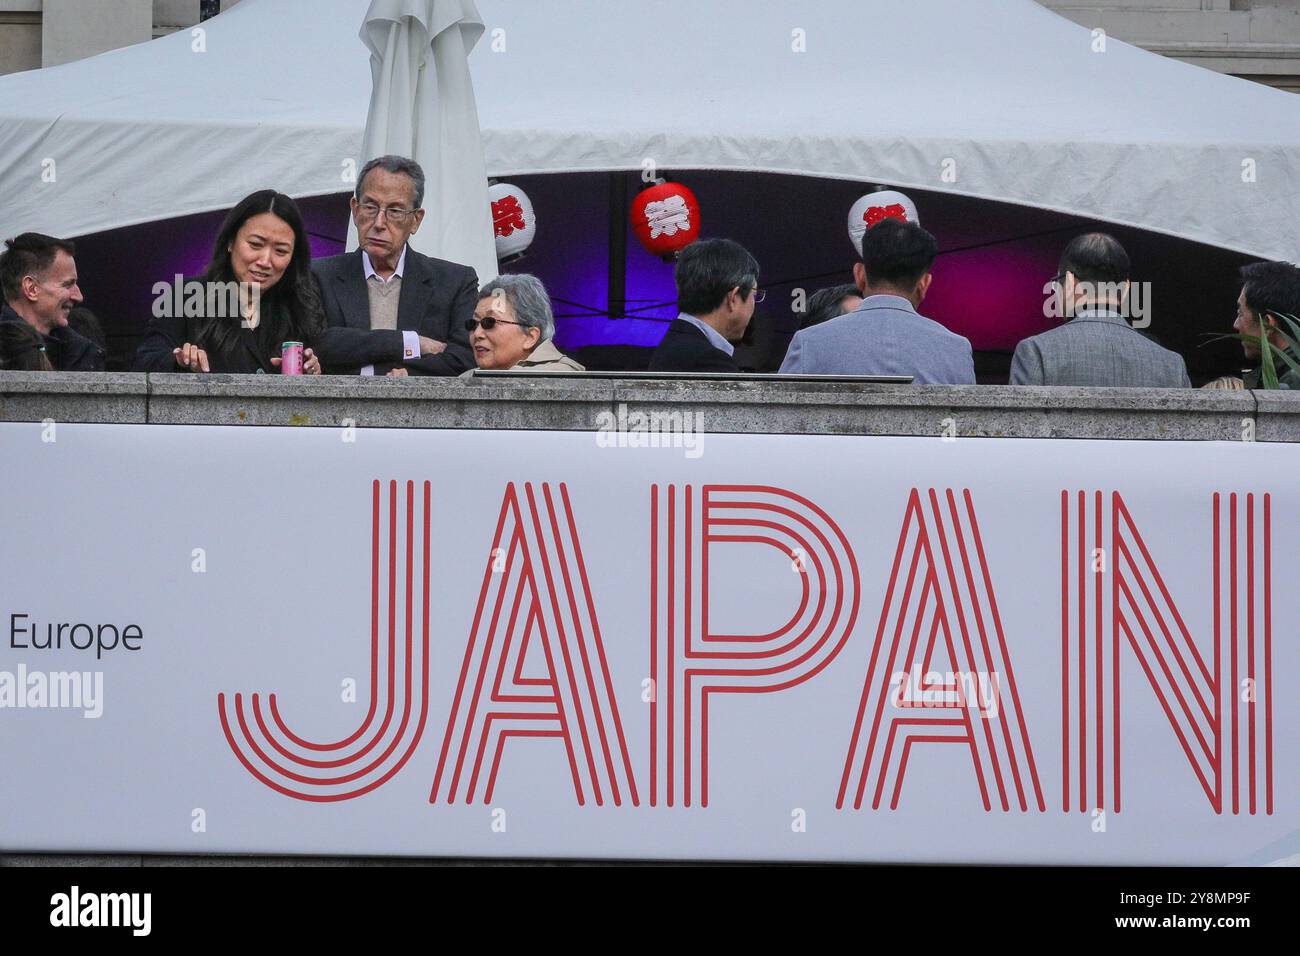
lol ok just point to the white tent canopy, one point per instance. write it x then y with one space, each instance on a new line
1000 99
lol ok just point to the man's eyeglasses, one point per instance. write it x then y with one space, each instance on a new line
759 295
395 215
489 322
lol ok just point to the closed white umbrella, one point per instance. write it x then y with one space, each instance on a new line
422 106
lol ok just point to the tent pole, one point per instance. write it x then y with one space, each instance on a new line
618 223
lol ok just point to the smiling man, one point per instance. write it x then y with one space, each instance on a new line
391 310
38 275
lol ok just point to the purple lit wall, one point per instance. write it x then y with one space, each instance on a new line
995 260
571 255
988 280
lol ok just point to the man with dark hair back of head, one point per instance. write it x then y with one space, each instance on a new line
388 309
717 290
38 276
887 335
826 304
1097 347
1269 291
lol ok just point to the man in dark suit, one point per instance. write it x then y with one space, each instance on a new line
1098 346
38 276
717 289
389 309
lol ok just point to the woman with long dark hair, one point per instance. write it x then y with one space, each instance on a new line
257 293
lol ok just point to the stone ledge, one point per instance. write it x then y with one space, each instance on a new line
148 861
777 391
760 406
334 387
1277 416
334 401
77 860
95 397
74 383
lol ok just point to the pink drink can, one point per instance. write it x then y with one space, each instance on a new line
291 358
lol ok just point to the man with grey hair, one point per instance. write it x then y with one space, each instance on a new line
513 326
389 309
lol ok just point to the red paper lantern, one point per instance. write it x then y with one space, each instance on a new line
666 218
514 223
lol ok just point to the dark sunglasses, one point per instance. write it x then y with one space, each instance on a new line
488 322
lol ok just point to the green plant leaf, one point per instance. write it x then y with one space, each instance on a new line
1288 346
1267 368
1295 366
1293 339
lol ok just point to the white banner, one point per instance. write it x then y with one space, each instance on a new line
331 641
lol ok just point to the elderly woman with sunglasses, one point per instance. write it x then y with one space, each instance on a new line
513 325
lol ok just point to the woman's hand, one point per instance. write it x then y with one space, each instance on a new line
310 362
191 358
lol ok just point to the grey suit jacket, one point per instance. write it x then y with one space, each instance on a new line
885 336
1097 349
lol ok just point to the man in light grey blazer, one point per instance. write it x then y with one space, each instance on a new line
886 335
1098 346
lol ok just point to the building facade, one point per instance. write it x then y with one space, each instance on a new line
39 33
1255 39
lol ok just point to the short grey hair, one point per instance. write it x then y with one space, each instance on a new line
396 164
529 299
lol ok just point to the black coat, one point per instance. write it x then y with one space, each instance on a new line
67 350
251 353
686 349
436 300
